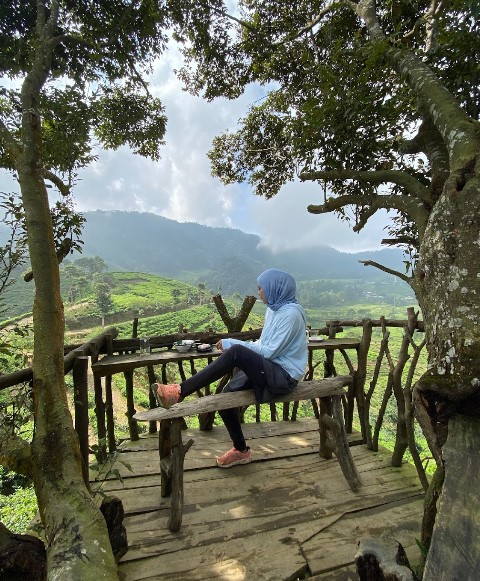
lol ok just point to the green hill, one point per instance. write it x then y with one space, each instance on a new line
161 304
225 259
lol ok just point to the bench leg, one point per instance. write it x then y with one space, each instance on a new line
327 428
342 451
165 452
333 439
178 457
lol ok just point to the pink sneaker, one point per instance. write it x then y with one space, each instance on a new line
234 457
166 395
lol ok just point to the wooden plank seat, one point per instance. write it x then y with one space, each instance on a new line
172 450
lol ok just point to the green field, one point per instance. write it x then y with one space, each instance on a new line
163 306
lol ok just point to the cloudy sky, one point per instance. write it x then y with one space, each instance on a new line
180 186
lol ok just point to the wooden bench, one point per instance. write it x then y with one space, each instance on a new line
172 450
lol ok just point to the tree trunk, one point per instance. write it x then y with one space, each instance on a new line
77 539
455 548
447 284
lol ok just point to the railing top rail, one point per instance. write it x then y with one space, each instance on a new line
98 344
25 375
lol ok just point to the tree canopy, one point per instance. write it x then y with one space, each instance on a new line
377 101
91 60
73 78
342 110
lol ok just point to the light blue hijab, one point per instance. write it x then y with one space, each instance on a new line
279 288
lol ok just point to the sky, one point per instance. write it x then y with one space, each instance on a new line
179 186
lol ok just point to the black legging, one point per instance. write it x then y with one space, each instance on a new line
260 374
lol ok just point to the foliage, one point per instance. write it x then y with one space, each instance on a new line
343 103
13 252
103 297
18 509
102 94
96 56
105 470
325 293
193 319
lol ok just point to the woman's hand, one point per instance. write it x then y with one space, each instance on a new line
219 345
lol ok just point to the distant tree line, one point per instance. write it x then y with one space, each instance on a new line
325 293
86 278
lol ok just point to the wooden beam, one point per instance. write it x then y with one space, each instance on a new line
330 386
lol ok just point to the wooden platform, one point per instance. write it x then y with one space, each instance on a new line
287 515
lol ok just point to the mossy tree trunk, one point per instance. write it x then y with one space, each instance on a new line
446 282
77 539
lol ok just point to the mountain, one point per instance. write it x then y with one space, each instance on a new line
227 260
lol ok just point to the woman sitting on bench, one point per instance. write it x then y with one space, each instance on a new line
271 366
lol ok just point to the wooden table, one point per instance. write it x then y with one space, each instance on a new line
127 363
329 346
111 364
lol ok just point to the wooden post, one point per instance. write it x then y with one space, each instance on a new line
206 421
109 343
112 445
359 379
329 365
234 324
165 453
273 412
401 437
326 450
152 426
80 397
178 457
295 405
131 411
135 328
309 373
342 452
99 411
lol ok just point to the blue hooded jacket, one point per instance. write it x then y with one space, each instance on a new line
283 339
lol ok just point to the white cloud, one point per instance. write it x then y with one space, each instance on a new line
180 186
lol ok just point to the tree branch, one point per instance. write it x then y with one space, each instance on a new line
431 24
407 240
459 132
242 23
308 27
407 279
401 203
62 252
15 454
411 185
62 187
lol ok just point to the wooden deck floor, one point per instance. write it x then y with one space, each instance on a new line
287 515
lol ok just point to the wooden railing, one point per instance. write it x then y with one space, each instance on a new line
399 381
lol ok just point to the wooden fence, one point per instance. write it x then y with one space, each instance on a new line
400 369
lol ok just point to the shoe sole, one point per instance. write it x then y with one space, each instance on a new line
236 463
158 399
154 392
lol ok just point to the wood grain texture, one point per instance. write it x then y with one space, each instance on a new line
305 390
287 512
